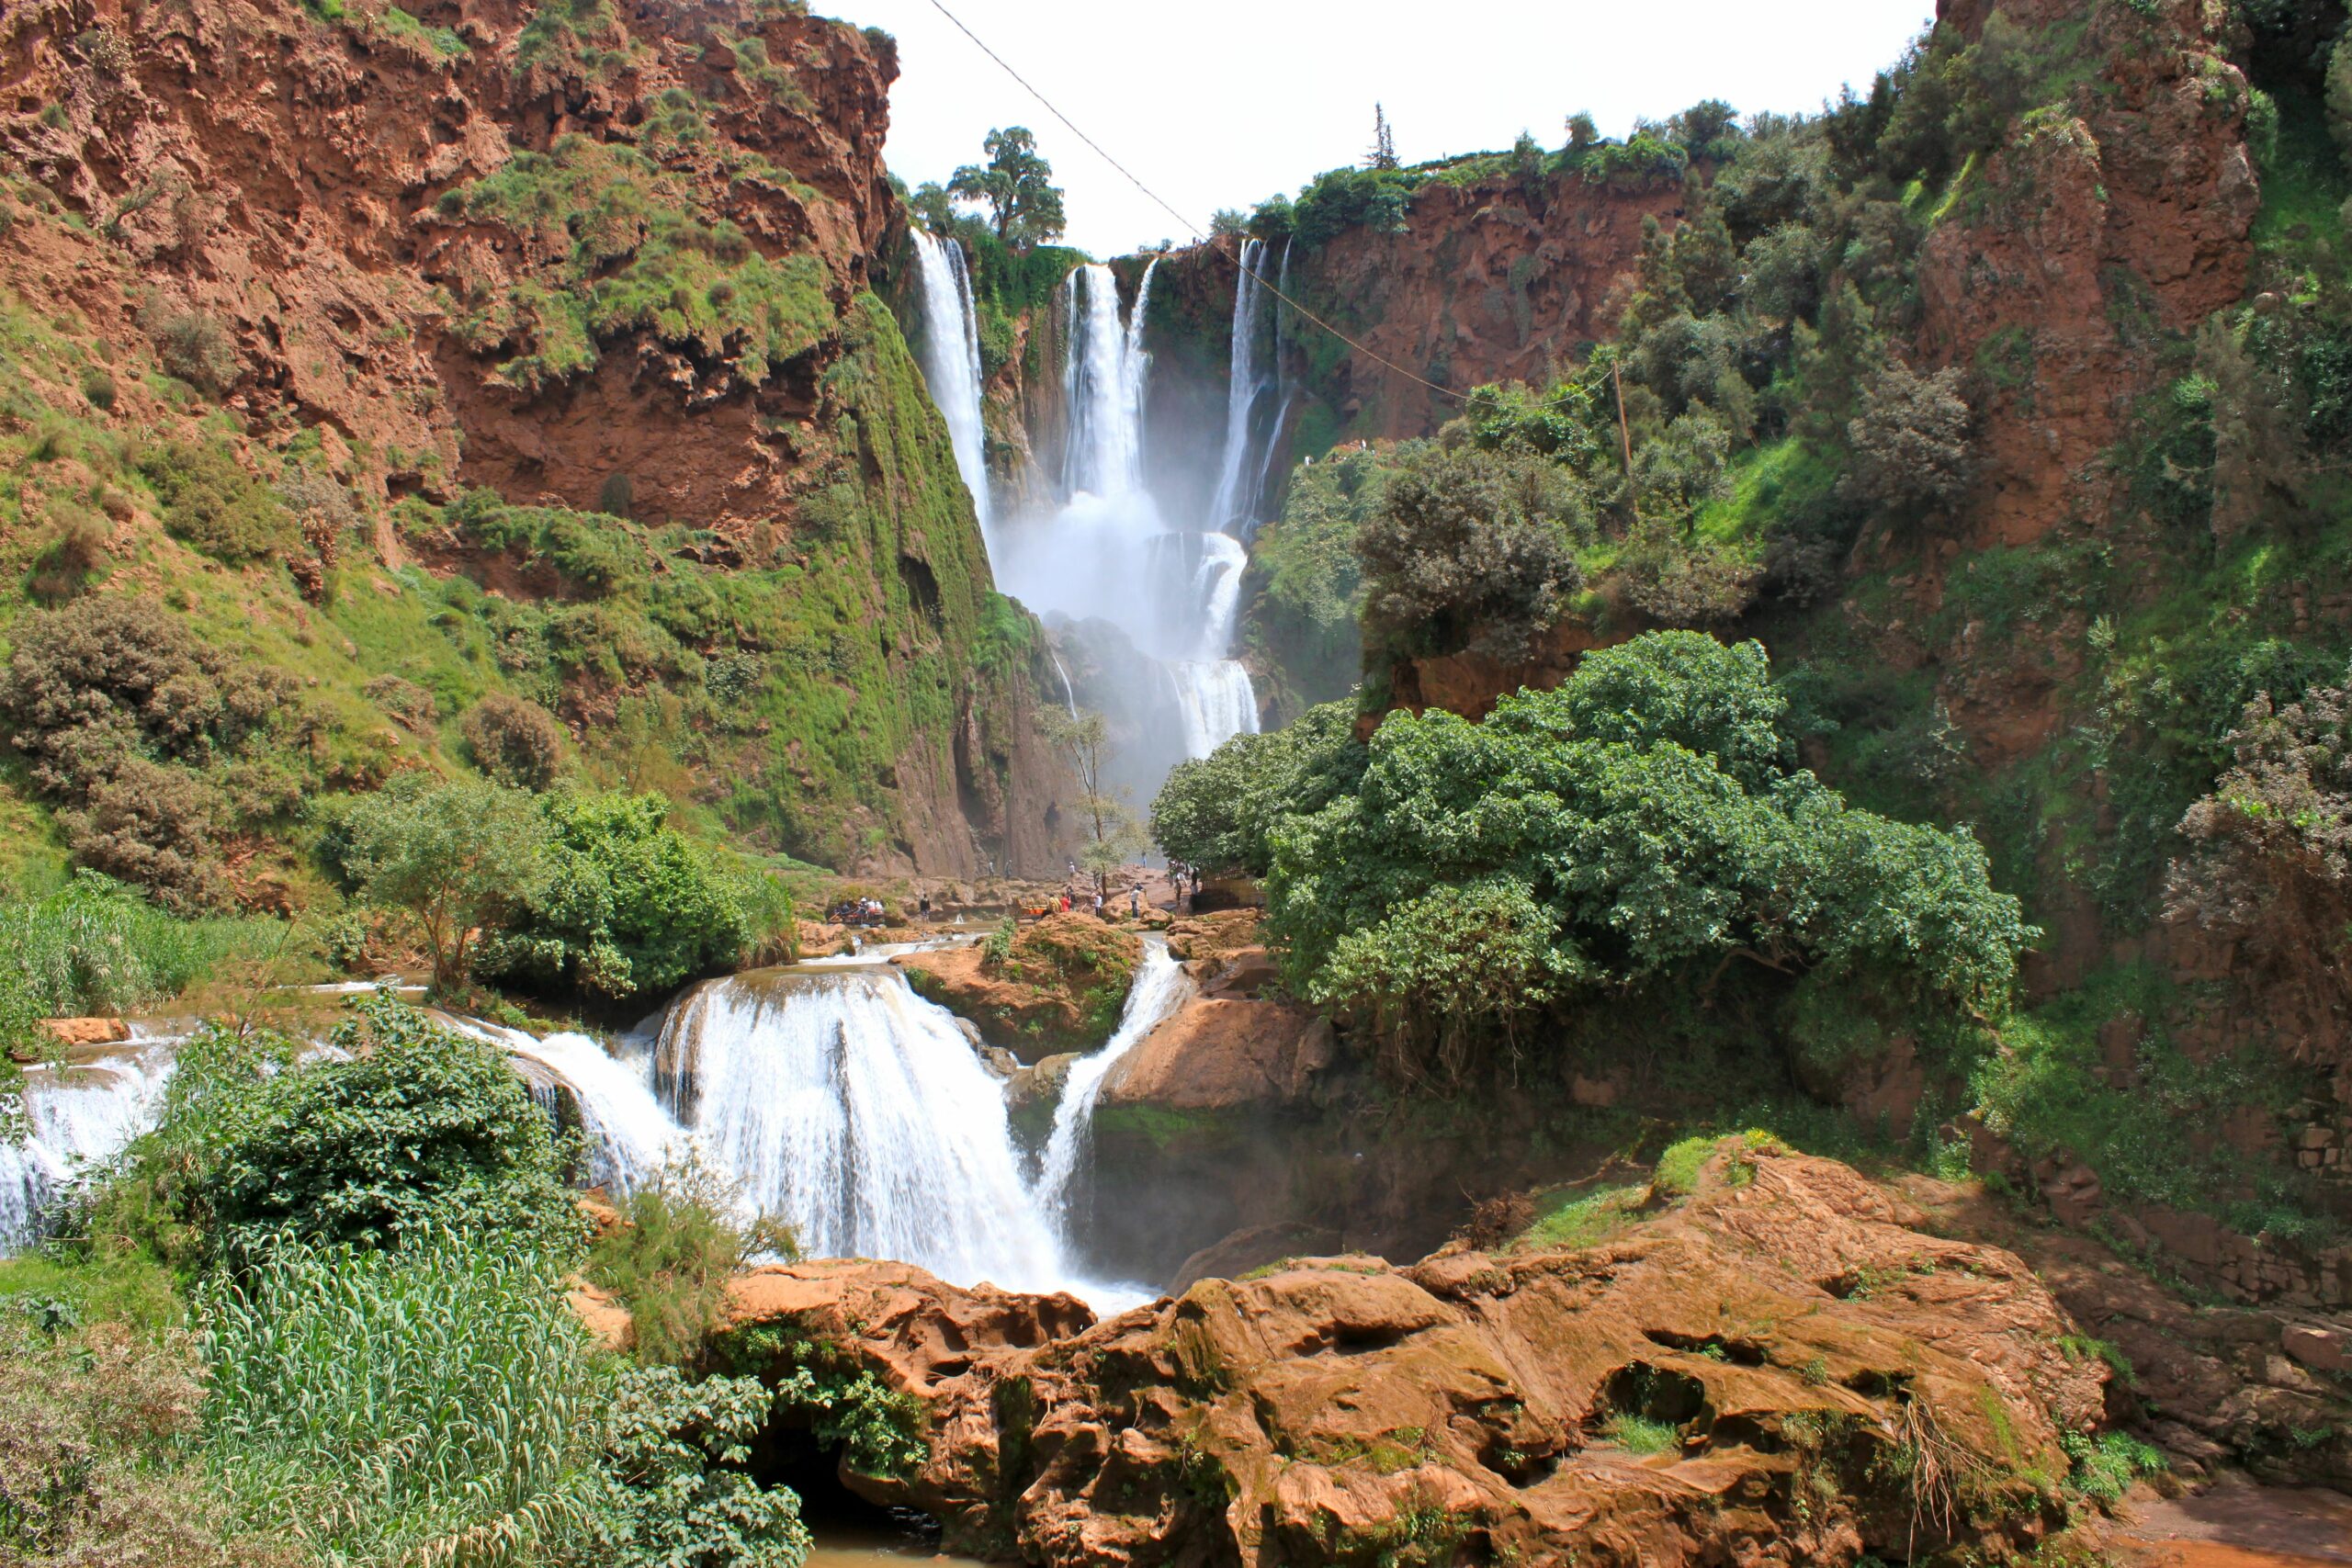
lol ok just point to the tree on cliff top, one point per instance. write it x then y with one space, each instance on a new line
1383 140
1016 186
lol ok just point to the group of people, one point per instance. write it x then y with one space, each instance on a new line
857 912
1071 898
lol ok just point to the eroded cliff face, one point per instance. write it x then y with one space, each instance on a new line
2067 253
614 260
1490 281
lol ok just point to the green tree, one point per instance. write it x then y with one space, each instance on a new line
1637 831
1383 155
415 1129
461 858
1113 837
932 205
1471 548
627 906
1016 186
1220 812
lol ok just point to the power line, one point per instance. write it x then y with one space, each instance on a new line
1194 228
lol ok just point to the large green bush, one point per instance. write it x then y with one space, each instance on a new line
1470 548
627 906
412 1128
1637 831
212 503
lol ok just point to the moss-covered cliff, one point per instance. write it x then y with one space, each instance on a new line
518 349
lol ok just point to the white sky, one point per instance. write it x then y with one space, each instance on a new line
1222 102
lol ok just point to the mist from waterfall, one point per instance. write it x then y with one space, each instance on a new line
951 364
1108 556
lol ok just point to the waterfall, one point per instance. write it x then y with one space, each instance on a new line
1230 511
1107 554
76 1118
1160 988
838 1099
1103 384
1285 392
630 1136
951 363
860 1115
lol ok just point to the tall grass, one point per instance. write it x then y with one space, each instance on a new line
433 1405
95 946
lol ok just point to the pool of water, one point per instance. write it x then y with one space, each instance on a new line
853 1546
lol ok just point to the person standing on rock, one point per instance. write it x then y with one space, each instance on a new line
1135 901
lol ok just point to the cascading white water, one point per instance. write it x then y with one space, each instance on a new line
857 1112
840 1101
1231 510
1160 988
632 1137
951 363
75 1118
1108 555
1104 383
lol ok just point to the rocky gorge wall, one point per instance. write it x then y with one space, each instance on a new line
612 261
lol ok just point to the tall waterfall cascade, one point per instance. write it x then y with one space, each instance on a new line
1111 554
951 364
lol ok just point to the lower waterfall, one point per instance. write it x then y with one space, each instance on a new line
836 1098
856 1112
1160 988
75 1118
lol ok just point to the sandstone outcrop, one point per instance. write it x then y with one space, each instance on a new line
2140 197
1780 1370
1059 989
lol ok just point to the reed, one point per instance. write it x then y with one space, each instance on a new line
433 1405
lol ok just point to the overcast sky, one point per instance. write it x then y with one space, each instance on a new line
1222 102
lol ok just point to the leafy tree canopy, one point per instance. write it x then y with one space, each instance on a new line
628 905
1016 186
412 1128
1640 828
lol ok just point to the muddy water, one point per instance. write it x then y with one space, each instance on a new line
2236 1525
840 1546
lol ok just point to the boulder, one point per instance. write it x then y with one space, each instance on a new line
1780 1370
1059 990
72 1032
1224 1054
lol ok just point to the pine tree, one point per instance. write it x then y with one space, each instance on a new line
1383 140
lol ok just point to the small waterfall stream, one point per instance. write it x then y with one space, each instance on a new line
1160 988
951 363
76 1118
